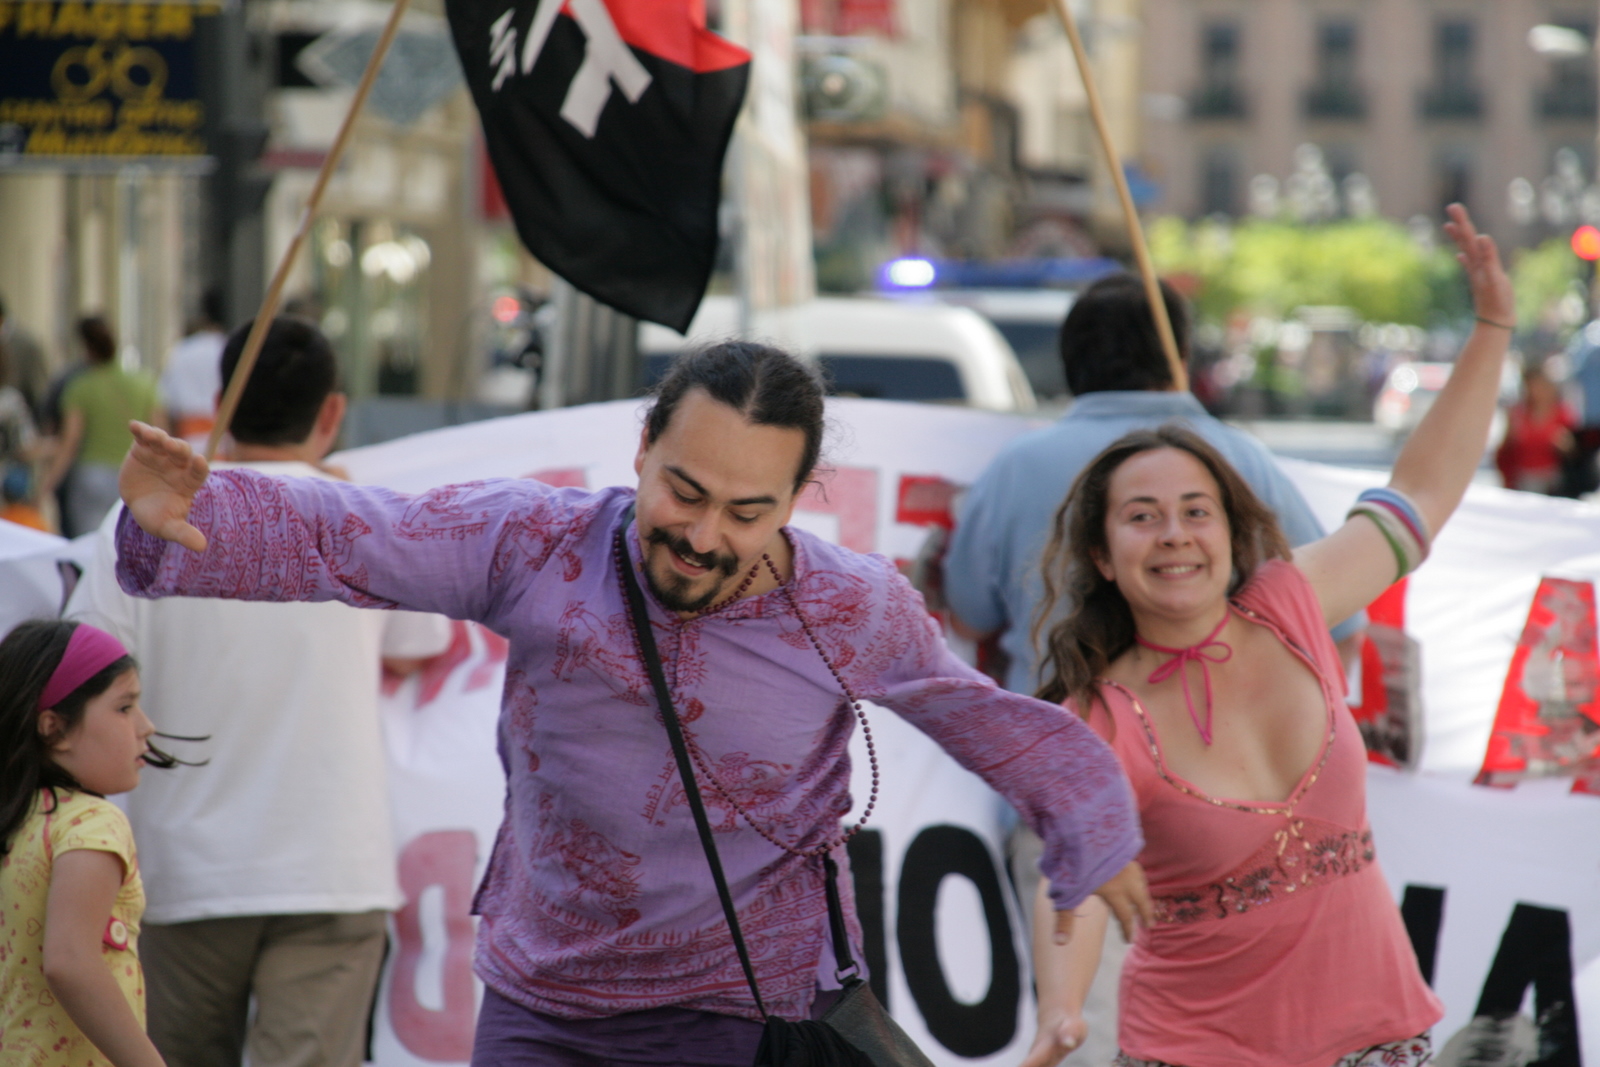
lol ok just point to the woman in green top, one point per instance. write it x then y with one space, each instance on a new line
95 409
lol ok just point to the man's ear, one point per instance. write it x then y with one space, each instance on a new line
331 416
644 446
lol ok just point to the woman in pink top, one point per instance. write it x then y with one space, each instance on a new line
1198 647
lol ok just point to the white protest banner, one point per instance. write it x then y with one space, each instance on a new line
1487 653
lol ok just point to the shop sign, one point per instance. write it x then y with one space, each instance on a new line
99 81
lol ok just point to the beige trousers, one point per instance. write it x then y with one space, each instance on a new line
312 978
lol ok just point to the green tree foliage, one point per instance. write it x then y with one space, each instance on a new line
1543 276
1271 267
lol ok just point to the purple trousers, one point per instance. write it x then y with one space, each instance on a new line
510 1035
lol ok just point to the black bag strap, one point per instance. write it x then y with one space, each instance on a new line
680 750
847 969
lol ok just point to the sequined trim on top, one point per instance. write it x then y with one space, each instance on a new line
1412 1052
1303 855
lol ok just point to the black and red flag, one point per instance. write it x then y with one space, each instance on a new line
607 122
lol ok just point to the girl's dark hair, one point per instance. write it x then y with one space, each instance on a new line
97 339
29 655
766 385
1099 625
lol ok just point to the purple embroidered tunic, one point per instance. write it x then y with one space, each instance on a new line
597 899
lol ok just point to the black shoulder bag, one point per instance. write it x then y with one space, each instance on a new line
855 1031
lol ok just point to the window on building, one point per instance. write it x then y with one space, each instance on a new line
1571 91
1219 94
1219 181
1337 94
1452 178
1455 93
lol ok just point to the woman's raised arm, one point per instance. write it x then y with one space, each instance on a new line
1352 565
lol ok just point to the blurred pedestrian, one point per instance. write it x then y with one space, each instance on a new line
96 407
270 871
1539 436
18 451
193 375
27 370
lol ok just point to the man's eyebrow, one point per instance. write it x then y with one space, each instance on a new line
749 501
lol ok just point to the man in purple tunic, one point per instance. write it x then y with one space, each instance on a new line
601 937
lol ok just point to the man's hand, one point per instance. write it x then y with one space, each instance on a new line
1059 1033
159 480
1129 900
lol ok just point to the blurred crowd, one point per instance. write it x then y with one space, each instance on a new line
63 434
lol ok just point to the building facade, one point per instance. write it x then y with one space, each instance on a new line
1412 103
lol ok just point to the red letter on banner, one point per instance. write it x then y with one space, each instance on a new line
444 858
1548 720
561 477
851 493
1389 710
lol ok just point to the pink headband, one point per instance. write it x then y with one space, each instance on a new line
89 651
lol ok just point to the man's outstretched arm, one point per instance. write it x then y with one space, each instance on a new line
245 535
1060 776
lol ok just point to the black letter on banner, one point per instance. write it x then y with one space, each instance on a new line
865 849
1423 912
970 1030
1536 949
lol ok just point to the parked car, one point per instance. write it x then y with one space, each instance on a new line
1411 388
869 347
1030 321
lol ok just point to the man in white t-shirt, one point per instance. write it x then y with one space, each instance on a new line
192 377
270 869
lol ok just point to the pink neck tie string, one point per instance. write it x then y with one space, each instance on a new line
1210 650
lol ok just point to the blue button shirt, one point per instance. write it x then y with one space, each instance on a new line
992 568
1585 354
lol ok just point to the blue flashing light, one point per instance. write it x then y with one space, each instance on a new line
1036 273
910 273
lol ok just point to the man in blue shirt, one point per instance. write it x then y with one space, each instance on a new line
1580 474
1118 374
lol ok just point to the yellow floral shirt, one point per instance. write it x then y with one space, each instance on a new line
35 1031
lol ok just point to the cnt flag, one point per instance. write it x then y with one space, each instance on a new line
607 122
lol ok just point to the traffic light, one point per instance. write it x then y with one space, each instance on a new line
1586 243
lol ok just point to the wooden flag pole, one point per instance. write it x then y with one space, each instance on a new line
1141 252
269 304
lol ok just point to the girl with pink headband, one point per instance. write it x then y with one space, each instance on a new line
71 733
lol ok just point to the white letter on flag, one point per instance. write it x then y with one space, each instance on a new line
502 49
606 58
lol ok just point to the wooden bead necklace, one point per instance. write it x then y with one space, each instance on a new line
855 704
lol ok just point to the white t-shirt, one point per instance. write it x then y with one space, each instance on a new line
291 814
193 375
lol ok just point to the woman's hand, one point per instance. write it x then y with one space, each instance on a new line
1492 295
1060 1032
158 482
